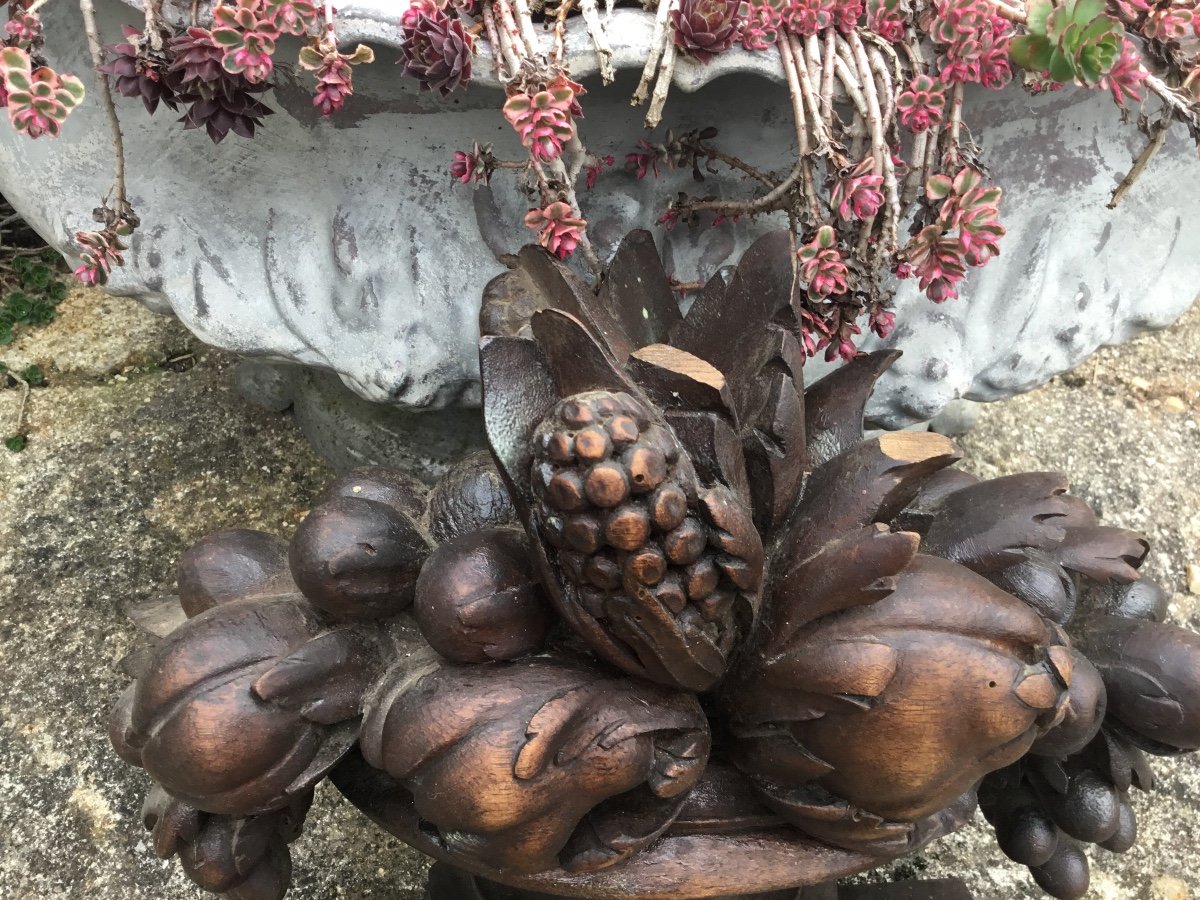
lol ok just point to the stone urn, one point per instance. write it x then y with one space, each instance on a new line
345 245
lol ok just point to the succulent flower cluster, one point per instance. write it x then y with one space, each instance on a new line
437 49
966 232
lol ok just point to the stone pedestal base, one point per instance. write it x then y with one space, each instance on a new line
448 883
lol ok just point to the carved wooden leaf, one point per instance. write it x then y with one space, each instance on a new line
576 359
854 569
714 449
988 526
835 405
325 678
530 765
675 378
537 281
1103 553
636 306
907 699
869 483
518 391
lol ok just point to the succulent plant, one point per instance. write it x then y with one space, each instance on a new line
437 51
38 99
704 28
559 227
139 70
922 104
545 119
1075 41
218 101
335 75
247 38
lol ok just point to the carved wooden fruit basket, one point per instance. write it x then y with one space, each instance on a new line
686 633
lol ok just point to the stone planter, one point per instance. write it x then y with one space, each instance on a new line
345 245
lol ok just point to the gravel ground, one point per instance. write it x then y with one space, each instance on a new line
138 446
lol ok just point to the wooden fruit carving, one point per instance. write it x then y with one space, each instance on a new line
687 631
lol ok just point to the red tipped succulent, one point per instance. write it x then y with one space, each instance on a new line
704 28
761 26
248 39
38 99
138 70
436 51
335 75
807 17
558 226
1126 75
858 195
474 165
937 262
822 265
921 106
545 120
295 17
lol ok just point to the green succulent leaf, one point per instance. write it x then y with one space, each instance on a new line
1037 12
1061 68
1030 52
16 443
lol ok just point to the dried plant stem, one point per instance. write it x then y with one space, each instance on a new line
509 29
659 39
851 86
891 225
599 35
828 61
886 88
874 117
560 29
915 180
20 424
954 126
812 55
524 17
766 203
1011 13
819 128
734 163
1172 99
36 5
791 68
666 72
96 47
153 31
507 64
1157 139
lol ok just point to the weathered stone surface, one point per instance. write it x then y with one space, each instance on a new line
121 475
345 244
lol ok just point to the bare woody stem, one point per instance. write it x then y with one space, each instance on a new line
96 46
658 39
1158 138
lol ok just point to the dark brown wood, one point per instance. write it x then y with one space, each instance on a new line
477 598
357 558
690 635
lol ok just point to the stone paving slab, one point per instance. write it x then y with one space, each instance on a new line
129 461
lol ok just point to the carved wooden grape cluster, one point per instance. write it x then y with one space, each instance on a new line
637 541
686 632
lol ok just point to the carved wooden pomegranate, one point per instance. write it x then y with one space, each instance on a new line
691 634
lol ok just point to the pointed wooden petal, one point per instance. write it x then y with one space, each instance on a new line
854 668
870 483
713 448
1104 553
324 677
538 281
576 360
518 391
615 830
732 330
636 305
835 405
676 378
988 526
853 570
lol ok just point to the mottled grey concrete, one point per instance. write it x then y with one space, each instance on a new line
125 468
345 244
